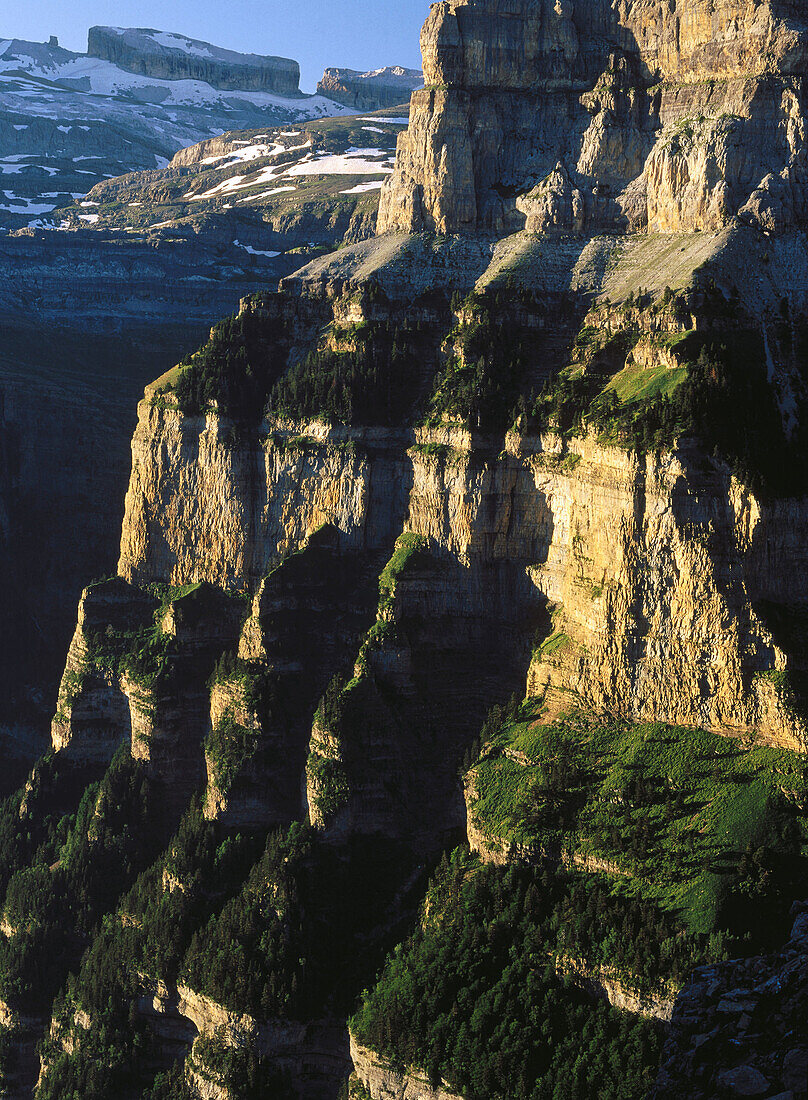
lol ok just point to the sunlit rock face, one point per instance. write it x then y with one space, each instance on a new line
671 118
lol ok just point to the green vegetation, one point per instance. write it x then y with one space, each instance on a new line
37 817
81 864
689 820
235 370
410 553
720 394
638 383
473 996
229 748
245 1074
143 941
377 379
137 647
287 944
330 780
486 366
169 1086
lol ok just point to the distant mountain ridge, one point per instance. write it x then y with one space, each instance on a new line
69 120
174 57
373 90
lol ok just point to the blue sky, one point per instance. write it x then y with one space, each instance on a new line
359 34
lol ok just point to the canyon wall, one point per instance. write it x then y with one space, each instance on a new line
656 571
585 119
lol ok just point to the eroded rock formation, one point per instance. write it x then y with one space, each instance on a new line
590 117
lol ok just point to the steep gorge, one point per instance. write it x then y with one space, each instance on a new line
486 535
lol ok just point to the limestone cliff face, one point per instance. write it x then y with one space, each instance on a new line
175 57
192 509
386 1082
515 92
311 1054
371 91
658 577
136 674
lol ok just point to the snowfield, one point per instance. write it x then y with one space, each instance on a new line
92 113
354 162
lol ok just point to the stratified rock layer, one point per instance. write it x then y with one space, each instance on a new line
175 57
387 87
655 565
588 117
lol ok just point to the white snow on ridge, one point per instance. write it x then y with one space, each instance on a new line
85 75
335 164
266 194
177 42
250 152
355 162
389 121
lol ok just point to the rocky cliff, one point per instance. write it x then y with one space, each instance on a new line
386 87
509 503
585 119
739 1029
175 57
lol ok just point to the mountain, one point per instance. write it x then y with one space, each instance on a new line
442 732
370 91
314 176
175 57
133 285
68 120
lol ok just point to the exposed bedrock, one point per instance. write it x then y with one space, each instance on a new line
656 568
387 87
592 117
174 57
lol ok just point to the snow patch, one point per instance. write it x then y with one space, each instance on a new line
266 194
388 121
353 163
176 42
360 188
255 251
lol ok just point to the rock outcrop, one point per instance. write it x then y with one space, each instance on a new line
371 91
382 1081
310 1055
175 57
586 118
739 1029
625 548
325 583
